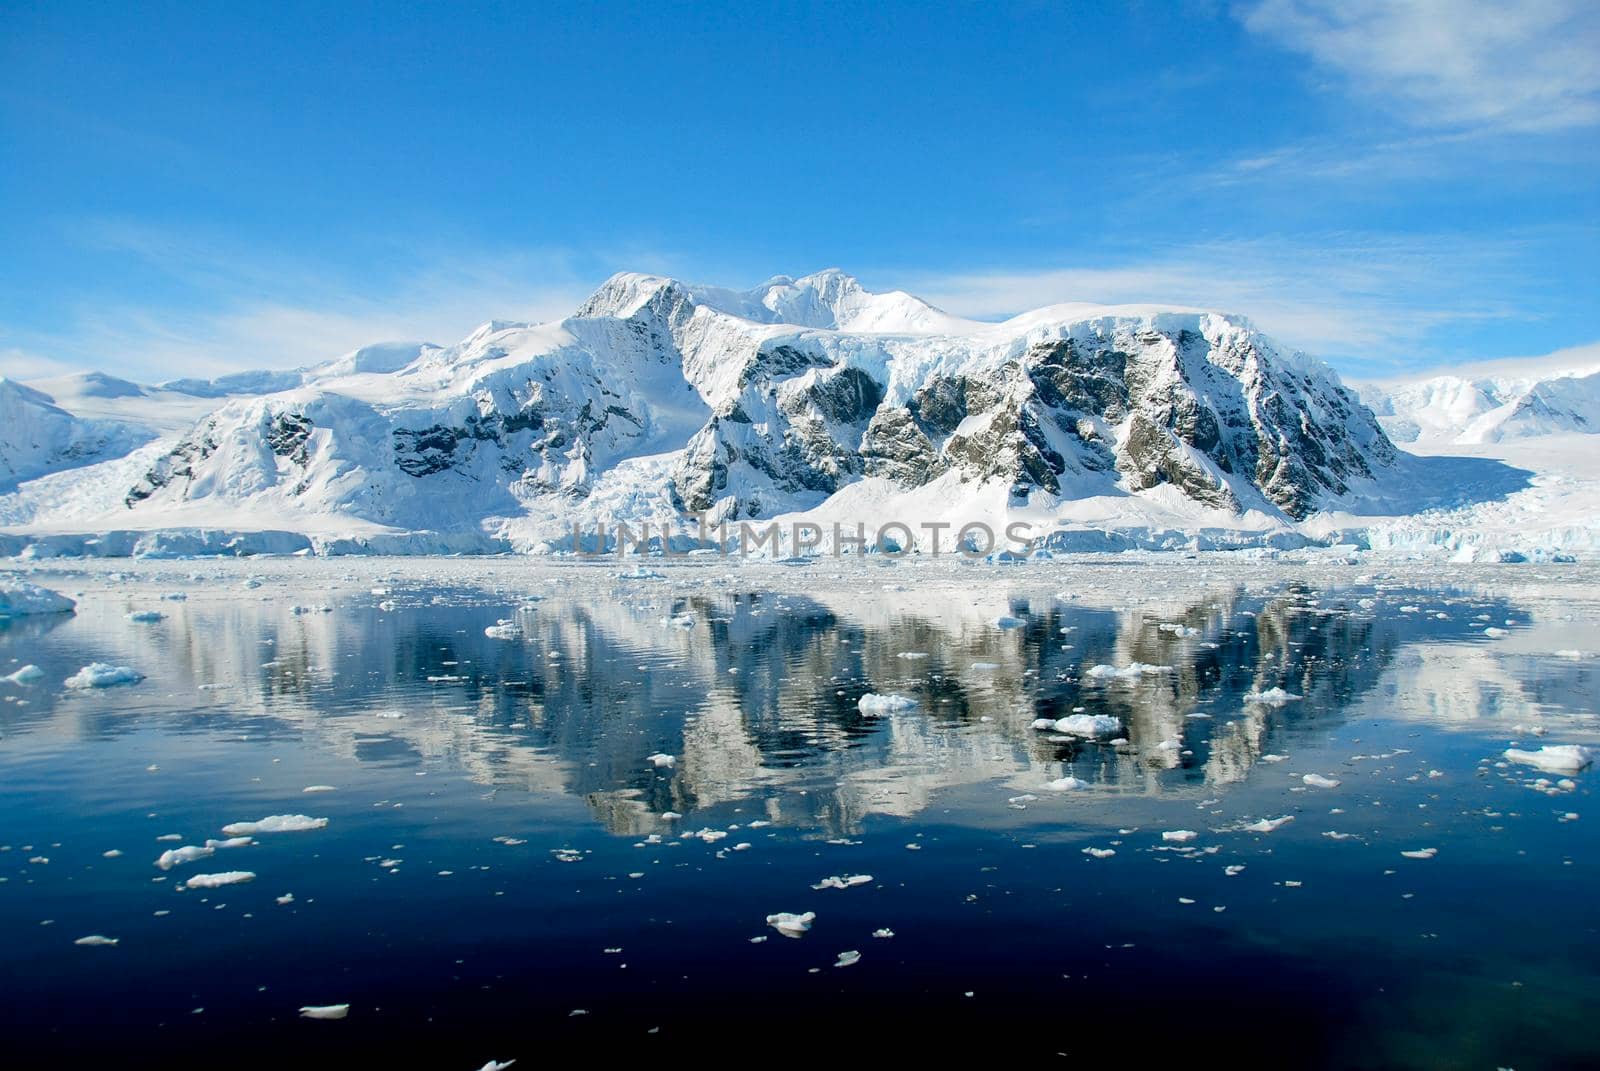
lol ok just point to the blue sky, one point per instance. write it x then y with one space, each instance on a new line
192 189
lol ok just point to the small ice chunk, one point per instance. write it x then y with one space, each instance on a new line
1269 825
1272 697
275 823
661 760
1179 836
504 629
19 597
26 675
1085 724
1065 784
1318 781
103 675
324 1011
1421 853
848 959
215 881
1007 621
146 615
1554 758
319 788
1100 853
791 925
845 882
872 705
95 940
883 933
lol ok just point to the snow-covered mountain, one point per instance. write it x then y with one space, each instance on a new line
1498 405
809 397
758 403
41 437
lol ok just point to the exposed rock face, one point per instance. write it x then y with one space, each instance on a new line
769 401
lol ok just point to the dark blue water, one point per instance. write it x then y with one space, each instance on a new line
596 924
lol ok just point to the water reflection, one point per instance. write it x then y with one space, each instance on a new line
754 694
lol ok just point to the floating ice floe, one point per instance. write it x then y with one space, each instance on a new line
497 1065
26 675
216 881
146 615
19 598
845 882
1421 853
1554 758
324 1011
1132 671
661 760
1007 621
1065 784
1179 836
103 675
1100 853
1081 724
504 629
883 933
1269 825
95 940
791 925
873 705
319 788
641 573
1318 781
848 959
275 823
1272 697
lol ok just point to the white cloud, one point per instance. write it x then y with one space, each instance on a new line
224 309
20 364
1528 66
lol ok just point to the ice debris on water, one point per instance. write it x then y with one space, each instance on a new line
791 925
661 760
275 823
1421 853
1272 697
216 881
1318 781
95 940
873 705
1269 825
1555 758
324 1011
26 675
845 882
1080 724
848 959
504 629
103 675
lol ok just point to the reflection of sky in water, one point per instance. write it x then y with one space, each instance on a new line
440 739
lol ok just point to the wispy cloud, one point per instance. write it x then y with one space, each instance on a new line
1363 298
1531 66
224 309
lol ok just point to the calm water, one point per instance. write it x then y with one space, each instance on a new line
507 872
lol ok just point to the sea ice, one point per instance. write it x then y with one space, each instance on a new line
873 705
275 823
18 597
214 881
103 675
325 1011
791 925
1554 758
1272 697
